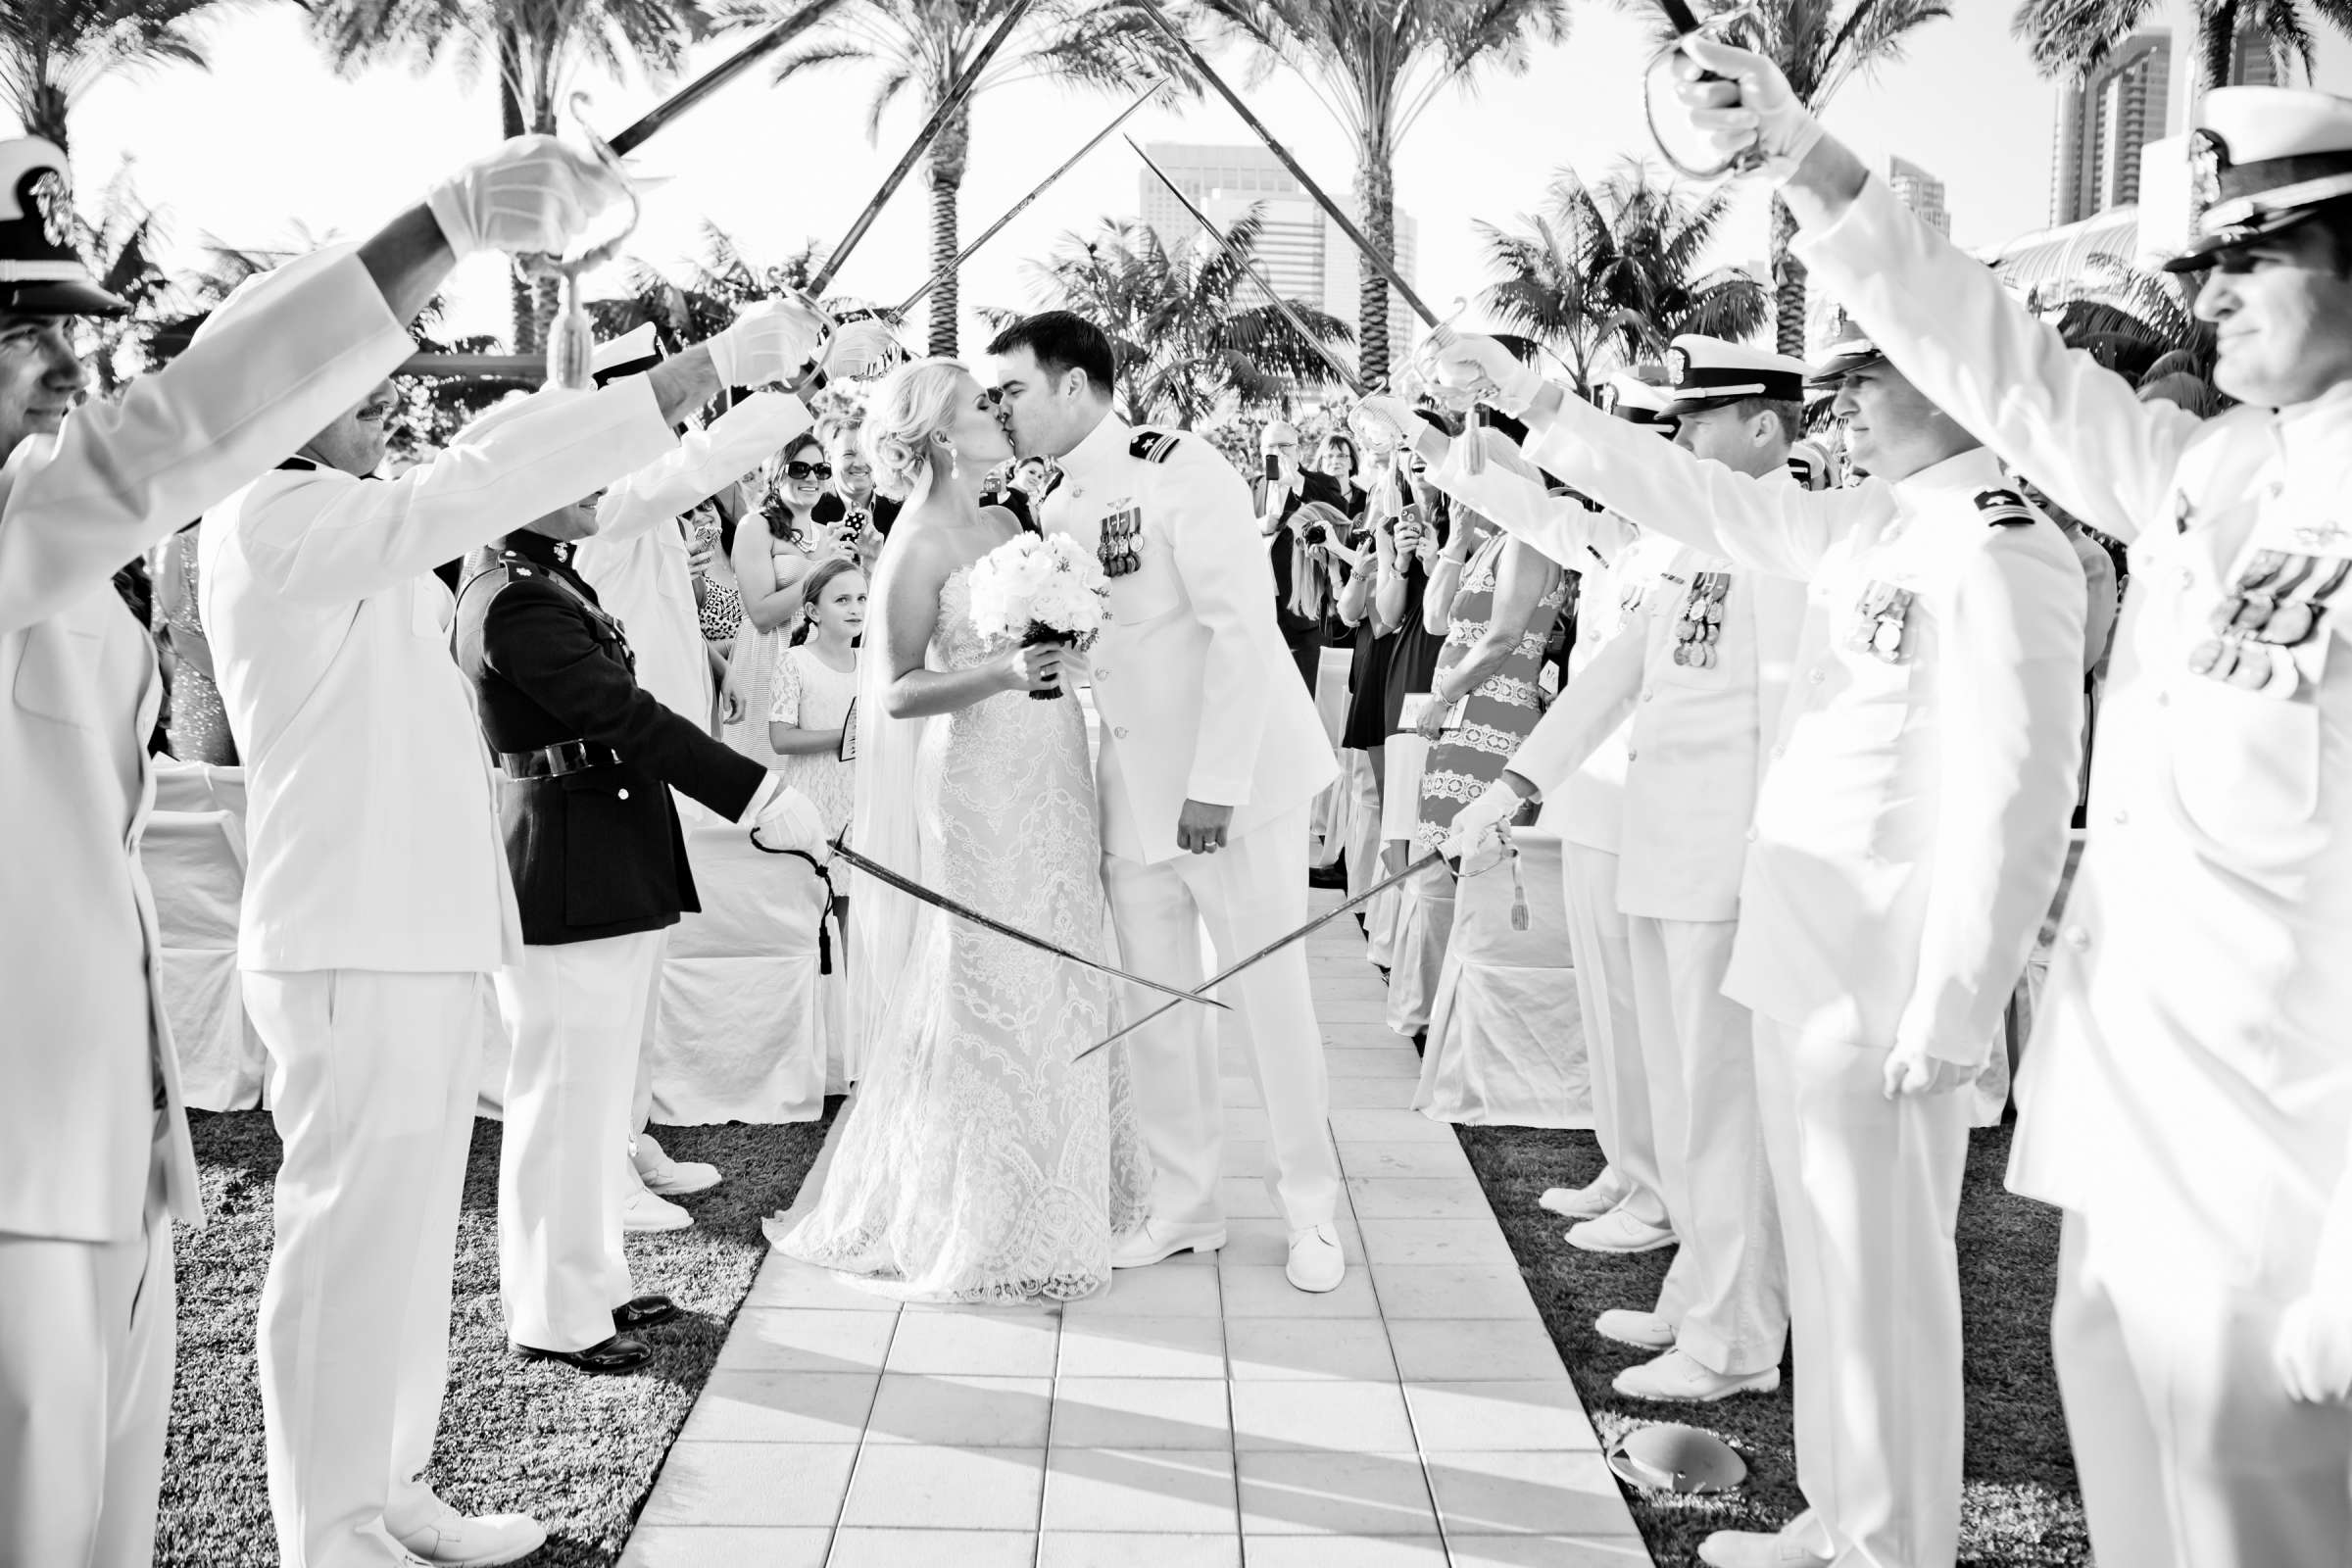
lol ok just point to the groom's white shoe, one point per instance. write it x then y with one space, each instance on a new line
1316 1262
1153 1242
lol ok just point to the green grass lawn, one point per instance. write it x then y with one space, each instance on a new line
579 1452
2021 1505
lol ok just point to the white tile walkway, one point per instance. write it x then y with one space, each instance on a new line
1199 1415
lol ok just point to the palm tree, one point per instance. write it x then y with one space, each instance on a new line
2141 325
1187 336
1376 66
925 46
1615 269
119 238
536 47
1820 45
54 51
2071 37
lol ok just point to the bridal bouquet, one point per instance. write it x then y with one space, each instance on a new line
1041 591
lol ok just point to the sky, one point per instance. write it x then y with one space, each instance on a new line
270 146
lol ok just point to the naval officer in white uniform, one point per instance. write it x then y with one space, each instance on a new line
2188 1096
1906 843
1211 752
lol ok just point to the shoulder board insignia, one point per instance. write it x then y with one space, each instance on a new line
2004 508
1152 446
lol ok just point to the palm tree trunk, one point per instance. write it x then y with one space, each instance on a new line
2216 46
1787 284
944 171
547 294
521 308
1376 188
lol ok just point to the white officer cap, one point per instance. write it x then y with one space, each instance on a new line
2262 160
1628 397
633 351
1810 464
1705 373
41 271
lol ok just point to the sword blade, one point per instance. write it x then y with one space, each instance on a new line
1371 253
1022 205
1432 858
1347 377
989 922
921 144
709 81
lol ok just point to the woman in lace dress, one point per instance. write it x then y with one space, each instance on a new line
981 1160
772 556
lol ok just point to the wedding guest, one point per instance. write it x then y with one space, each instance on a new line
771 561
196 729
711 525
859 515
817 686
377 908
93 1145
1281 490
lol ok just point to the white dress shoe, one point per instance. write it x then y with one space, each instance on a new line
437 1534
1753 1548
643 1210
1589 1202
1677 1375
1620 1231
1316 1262
1153 1242
665 1176
1645 1331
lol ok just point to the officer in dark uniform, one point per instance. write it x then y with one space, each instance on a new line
600 864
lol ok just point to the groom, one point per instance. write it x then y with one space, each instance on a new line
1210 755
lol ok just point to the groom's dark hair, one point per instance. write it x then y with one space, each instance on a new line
1063 341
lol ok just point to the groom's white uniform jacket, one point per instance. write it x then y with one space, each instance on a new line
1199 696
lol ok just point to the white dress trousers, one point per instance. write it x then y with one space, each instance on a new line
1599 945
575 1011
1727 1293
1869 1195
371 1084
86 1332
2189 1452
1247 894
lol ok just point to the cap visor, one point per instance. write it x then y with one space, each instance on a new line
62 298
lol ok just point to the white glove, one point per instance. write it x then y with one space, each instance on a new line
1475 363
862 349
1754 111
1382 420
1476 823
770 341
532 194
2312 1350
789 821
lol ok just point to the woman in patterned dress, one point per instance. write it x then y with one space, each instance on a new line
1490 687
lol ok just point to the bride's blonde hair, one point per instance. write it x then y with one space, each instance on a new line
916 404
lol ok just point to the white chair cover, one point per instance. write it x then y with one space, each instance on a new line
1506 1043
195 863
1403 758
1424 926
749 1030
1325 822
199 787
1361 834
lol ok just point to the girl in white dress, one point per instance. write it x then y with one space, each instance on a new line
771 562
980 1162
817 687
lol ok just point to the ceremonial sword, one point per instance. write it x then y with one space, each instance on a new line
899 313
709 81
989 922
1347 377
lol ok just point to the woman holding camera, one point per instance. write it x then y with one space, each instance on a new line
771 565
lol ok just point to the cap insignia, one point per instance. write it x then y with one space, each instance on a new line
1678 367
2208 157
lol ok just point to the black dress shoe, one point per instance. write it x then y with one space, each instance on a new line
643 1313
1333 876
622 1353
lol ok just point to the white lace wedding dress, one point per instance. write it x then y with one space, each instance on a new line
980 1162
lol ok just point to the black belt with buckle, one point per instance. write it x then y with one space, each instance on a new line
554 761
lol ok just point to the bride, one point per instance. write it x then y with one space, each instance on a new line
979 1161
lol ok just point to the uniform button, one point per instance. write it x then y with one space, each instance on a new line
1646 696
2274 489
621 795
1751 835
2121 816
2188 578
1121 733
2164 698
1815 677
1631 754
2078 939
1779 751
1102 674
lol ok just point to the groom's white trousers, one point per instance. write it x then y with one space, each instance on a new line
1247 894
371 1084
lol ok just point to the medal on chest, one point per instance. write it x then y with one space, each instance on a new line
2279 602
1882 622
1698 624
1121 546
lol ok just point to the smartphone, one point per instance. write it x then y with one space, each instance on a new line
1273 467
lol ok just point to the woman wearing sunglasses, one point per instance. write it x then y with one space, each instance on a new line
771 565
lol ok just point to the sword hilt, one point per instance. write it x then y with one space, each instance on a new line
571 336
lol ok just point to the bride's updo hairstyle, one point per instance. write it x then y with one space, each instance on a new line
915 403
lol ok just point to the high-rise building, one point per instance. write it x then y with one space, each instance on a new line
2105 122
1920 191
1300 251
